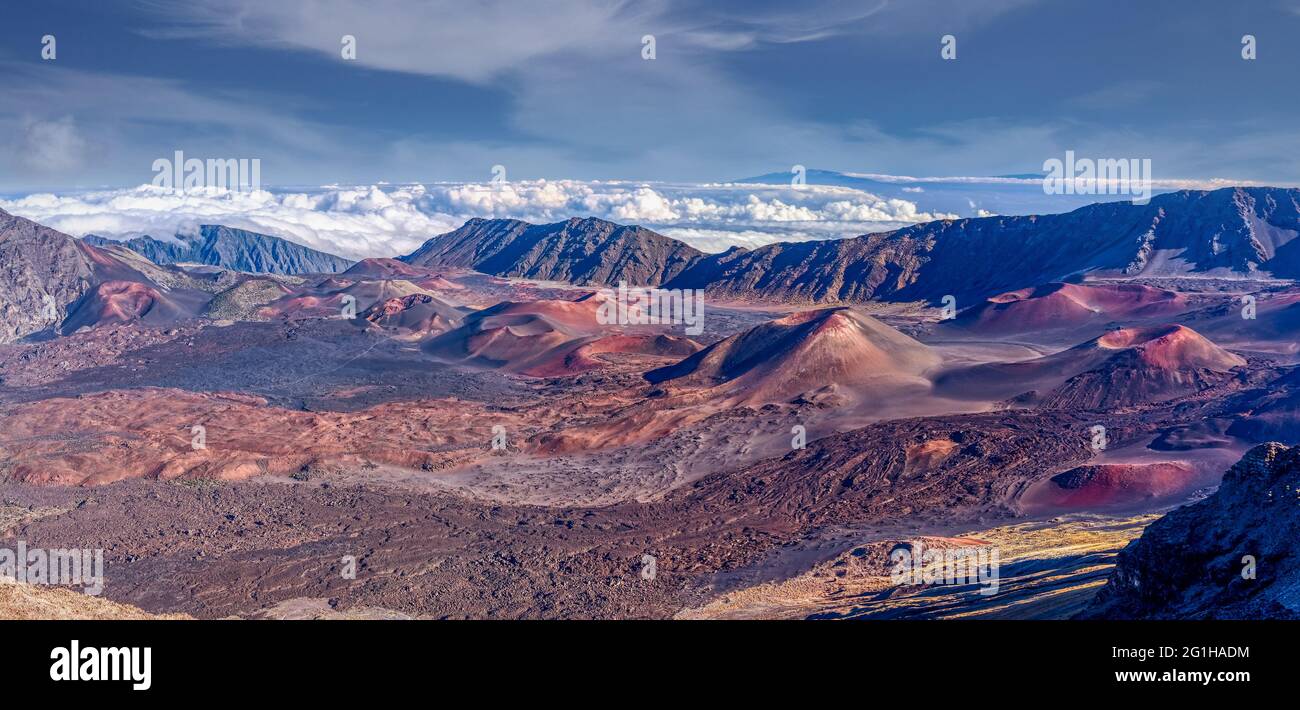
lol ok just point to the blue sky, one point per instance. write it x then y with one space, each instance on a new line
371 156
445 90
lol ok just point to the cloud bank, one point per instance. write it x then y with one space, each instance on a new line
387 220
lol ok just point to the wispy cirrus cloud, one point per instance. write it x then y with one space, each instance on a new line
582 101
471 41
482 40
443 90
85 127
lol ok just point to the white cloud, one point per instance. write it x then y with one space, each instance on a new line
388 220
684 115
52 146
73 127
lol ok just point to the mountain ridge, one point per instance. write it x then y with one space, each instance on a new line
583 251
231 248
46 271
1238 231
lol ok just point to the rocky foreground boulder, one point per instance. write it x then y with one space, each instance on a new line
1231 556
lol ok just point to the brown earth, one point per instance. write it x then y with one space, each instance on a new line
328 439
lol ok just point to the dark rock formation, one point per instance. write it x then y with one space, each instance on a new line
236 249
1190 564
43 271
580 251
1235 231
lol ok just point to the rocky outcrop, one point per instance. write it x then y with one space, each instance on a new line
1232 230
1230 556
1274 413
878 473
245 300
236 249
42 272
1237 231
416 312
581 251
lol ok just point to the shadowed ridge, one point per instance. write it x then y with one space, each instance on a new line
1190 563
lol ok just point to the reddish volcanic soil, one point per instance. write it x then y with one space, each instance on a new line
148 433
1108 485
586 356
384 269
1068 306
122 302
416 313
804 352
1170 347
1151 365
219 548
576 317
1123 367
759 451
547 338
329 298
1273 329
